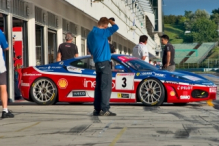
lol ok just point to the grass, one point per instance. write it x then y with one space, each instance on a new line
175 33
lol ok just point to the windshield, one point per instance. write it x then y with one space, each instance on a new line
141 65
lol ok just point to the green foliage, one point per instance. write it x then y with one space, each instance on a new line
188 38
204 30
215 18
215 11
172 19
192 17
202 26
175 33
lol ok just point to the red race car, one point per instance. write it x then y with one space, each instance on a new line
133 80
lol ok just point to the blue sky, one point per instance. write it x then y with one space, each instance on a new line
178 7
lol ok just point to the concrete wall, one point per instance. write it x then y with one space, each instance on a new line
123 15
80 18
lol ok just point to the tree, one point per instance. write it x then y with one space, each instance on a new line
201 14
188 14
204 30
192 17
215 11
215 18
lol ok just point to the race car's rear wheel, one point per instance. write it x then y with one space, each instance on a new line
151 92
44 91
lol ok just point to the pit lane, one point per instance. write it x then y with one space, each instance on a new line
135 124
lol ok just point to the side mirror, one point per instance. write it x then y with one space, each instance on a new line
120 68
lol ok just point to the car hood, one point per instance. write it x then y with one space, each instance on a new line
190 77
177 76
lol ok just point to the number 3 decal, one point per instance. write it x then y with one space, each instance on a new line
124 82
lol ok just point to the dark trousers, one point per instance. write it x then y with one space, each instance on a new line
17 92
103 86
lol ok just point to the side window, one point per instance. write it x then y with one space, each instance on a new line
82 63
116 63
91 64
86 63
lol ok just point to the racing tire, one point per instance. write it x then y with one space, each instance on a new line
43 91
151 92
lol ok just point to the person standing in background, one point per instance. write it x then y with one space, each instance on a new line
112 48
3 78
17 92
140 51
168 54
98 45
67 50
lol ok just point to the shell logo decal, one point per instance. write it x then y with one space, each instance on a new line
62 83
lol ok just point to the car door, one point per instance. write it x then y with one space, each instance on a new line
123 83
83 78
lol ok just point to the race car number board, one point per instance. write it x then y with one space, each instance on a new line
125 81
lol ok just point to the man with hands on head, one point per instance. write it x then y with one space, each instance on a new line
98 46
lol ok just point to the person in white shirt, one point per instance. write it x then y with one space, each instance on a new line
140 50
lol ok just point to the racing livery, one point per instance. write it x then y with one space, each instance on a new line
133 80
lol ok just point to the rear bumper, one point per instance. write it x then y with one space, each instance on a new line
180 93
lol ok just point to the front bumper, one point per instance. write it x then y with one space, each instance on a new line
183 93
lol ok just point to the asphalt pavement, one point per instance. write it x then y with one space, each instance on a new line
196 124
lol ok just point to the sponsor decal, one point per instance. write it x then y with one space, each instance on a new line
43 67
54 67
137 74
92 84
184 88
158 74
124 74
170 82
146 73
122 95
74 69
79 93
62 83
184 97
29 74
25 84
213 90
207 84
172 93
193 78
123 58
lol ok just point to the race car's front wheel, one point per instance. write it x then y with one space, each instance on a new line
151 92
43 91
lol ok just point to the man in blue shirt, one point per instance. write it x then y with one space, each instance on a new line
3 88
97 42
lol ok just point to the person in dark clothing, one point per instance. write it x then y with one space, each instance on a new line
100 50
112 48
67 50
168 54
17 92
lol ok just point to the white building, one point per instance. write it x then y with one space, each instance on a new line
39 26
